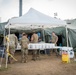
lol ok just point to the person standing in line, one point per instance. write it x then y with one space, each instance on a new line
24 47
34 39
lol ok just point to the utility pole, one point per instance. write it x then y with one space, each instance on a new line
20 8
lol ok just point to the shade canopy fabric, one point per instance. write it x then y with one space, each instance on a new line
34 19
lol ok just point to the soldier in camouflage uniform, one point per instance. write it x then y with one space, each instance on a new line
13 41
34 39
54 40
24 47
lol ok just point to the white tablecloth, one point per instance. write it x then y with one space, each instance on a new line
41 45
45 46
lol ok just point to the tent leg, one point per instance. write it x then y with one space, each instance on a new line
43 35
6 60
67 36
70 42
44 39
8 48
6 56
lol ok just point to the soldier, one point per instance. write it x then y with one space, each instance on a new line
24 47
34 39
13 41
54 40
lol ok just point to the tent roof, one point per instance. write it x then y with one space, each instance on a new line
71 23
34 17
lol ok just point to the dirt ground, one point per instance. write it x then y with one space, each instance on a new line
47 65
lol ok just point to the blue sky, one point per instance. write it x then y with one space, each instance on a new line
66 9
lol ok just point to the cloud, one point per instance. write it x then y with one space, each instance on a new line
4 3
9 9
64 8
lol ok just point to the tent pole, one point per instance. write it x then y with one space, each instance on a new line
67 36
43 35
4 39
7 47
70 42
6 52
43 38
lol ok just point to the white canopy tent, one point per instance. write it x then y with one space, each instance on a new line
34 19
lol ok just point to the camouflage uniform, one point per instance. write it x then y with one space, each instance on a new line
54 38
13 41
24 48
34 39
